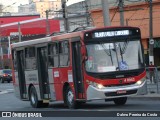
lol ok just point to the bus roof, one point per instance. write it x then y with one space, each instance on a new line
61 36
46 39
31 42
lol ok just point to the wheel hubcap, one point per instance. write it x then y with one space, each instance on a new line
33 98
70 96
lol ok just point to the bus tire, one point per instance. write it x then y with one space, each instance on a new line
69 97
120 101
34 98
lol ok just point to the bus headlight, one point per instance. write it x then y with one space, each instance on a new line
99 86
140 81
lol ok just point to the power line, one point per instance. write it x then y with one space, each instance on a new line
144 16
115 11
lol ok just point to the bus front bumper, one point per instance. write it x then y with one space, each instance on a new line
94 93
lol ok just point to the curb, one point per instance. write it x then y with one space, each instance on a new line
145 97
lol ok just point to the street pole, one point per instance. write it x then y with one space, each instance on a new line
151 41
9 47
127 22
121 12
106 17
65 15
19 31
87 13
47 23
2 61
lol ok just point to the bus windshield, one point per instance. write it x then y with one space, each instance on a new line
119 55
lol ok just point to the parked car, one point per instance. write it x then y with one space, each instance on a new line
5 75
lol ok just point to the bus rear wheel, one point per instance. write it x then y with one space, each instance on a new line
35 103
69 97
120 101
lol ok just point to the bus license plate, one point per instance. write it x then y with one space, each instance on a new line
121 91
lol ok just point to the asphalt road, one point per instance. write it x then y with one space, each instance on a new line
8 102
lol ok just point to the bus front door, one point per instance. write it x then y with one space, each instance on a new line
43 72
77 70
21 74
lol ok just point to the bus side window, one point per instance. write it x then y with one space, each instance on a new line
64 53
30 59
53 58
14 57
50 55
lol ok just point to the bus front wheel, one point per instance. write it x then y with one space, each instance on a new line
34 98
120 101
69 97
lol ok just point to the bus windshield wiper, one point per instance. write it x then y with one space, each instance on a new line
125 46
105 49
121 53
123 50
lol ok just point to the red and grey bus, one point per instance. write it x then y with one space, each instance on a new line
81 66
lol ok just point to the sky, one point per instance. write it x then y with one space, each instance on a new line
12 5
15 3
73 1
10 2
18 2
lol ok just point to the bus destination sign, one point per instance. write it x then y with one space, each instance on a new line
111 33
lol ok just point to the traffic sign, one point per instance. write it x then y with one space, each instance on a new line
151 41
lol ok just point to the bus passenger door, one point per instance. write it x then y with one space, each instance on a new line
43 72
77 70
21 74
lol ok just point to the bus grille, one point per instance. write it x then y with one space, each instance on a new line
116 85
129 92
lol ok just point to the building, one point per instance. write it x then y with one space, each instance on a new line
27 9
76 14
30 27
44 5
10 7
137 15
40 6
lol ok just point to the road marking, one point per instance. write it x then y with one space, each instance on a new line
3 92
6 91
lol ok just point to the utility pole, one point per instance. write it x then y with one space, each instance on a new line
106 17
151 41
87 13
65 15
121 12
127 22
47 23
9 47
19 31
2 60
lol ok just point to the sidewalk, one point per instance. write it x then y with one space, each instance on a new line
149 96
153 90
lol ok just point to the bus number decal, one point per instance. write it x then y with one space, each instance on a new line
70 77
132 79
56 73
